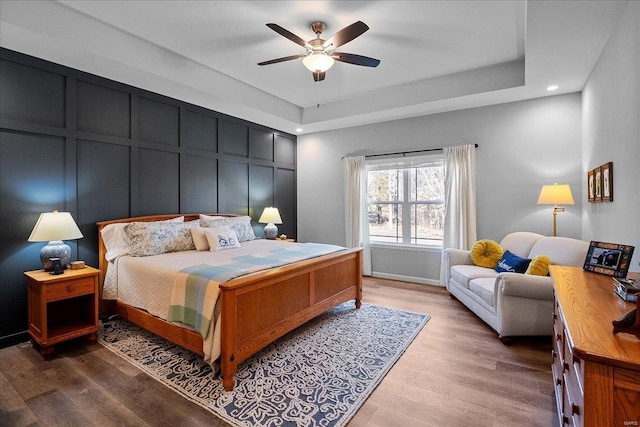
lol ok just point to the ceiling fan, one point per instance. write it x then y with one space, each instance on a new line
320 53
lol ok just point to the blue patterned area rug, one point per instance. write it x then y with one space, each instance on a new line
318 375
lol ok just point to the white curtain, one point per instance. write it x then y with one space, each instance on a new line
460 197
355 202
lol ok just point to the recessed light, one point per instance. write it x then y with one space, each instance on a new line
552 88
299 130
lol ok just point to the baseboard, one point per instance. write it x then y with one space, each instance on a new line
402 278
13 339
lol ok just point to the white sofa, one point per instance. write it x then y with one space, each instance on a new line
513 304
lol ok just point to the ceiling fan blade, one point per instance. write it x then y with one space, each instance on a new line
318 76
347 34
351 58
284 58
288 34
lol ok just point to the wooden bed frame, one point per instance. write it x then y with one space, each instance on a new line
258 308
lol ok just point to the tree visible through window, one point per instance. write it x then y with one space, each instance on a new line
406 200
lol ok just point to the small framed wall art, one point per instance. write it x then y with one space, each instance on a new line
607 182
591 189
597 173
600 183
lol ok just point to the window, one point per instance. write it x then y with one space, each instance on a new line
406 200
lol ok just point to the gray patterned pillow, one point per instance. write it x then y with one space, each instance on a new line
154 238
240 224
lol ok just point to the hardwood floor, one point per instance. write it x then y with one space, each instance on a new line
455 373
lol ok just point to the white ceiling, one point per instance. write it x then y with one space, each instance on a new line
435 55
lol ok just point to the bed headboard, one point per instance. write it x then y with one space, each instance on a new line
102 250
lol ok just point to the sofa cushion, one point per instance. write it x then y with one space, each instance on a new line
462 274
539 266
520 243
486 253
484 289
561 250
512 263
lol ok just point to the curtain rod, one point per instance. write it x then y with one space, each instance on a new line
407 152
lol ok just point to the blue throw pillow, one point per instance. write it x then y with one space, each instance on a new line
512 263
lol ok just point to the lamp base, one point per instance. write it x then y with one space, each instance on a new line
270 231
55 249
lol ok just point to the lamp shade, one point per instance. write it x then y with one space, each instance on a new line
55 226
318 62
270 216
556 194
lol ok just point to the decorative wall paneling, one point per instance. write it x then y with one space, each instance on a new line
101 150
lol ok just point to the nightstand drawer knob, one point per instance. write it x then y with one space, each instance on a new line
71 288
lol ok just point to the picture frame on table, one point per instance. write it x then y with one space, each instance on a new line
607 182
591 190
611 259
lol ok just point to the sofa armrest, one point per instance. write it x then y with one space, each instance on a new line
451 257
525 286
457 256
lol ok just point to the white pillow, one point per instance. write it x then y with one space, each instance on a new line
221 238
199 239
116 240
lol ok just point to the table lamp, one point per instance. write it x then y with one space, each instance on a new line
54 227
556 194
270 216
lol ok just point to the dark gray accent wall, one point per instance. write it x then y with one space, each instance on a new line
101 150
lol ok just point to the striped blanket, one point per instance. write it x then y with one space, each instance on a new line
196 289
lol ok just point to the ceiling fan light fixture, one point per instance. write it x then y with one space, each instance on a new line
318 62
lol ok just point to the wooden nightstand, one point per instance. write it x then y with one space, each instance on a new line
62 307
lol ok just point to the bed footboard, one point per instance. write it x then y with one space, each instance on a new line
258 309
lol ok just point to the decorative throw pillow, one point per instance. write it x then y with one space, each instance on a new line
512 263
199 239
240 224
221 238
116 240
154 238
486 253
539 266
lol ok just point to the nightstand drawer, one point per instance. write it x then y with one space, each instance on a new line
70 288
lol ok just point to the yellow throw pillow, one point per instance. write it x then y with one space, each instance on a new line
539 266
486 253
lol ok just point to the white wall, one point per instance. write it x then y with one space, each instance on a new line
522 145
611 133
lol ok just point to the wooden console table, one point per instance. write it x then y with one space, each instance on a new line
596 373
